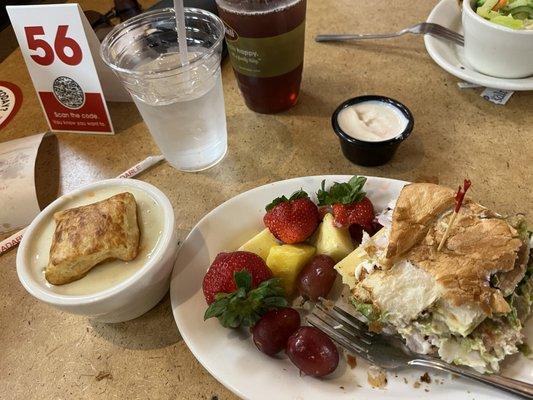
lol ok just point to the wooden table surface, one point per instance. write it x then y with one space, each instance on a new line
47 354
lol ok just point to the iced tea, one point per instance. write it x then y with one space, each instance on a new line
266 44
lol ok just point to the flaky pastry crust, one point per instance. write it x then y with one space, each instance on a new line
85 236
480 244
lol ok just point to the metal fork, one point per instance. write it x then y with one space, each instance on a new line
389 352
435 30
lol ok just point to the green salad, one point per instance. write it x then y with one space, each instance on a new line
514 14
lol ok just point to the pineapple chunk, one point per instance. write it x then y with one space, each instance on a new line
332 241
260 244
346 267
286 262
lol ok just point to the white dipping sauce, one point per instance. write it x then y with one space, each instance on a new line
372 121
108 273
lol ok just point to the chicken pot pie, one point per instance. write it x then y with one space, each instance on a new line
88 235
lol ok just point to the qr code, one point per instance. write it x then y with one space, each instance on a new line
68 92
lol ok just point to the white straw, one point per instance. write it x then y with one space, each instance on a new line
181 32
142 166
14 240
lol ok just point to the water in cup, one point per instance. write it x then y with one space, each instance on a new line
200 136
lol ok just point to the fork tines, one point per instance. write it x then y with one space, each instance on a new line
345 329
441 31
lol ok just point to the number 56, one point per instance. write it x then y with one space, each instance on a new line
61 42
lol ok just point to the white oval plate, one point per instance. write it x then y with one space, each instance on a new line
451 57
231 357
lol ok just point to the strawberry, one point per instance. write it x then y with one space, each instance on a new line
349 203
360 213
293 219
322 211
219 276
239 289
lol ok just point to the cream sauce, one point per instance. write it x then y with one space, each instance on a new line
372 121
109 273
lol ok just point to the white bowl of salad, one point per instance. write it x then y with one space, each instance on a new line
499 37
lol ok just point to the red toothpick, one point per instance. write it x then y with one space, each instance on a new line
459 197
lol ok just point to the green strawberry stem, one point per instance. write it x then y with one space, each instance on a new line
342 193
245 306
300 194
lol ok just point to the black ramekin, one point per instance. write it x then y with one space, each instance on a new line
371 154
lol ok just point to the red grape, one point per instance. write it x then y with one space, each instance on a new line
271 332
312 351
356 232
375 228
317 277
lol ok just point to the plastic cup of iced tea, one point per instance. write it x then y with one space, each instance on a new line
265 40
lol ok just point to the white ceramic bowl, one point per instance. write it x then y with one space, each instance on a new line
129 298
494 49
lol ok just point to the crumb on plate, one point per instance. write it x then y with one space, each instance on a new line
425 378
377 377
351 360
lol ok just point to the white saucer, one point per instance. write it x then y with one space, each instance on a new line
451 57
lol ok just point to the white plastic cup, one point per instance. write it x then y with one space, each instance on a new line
182 105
